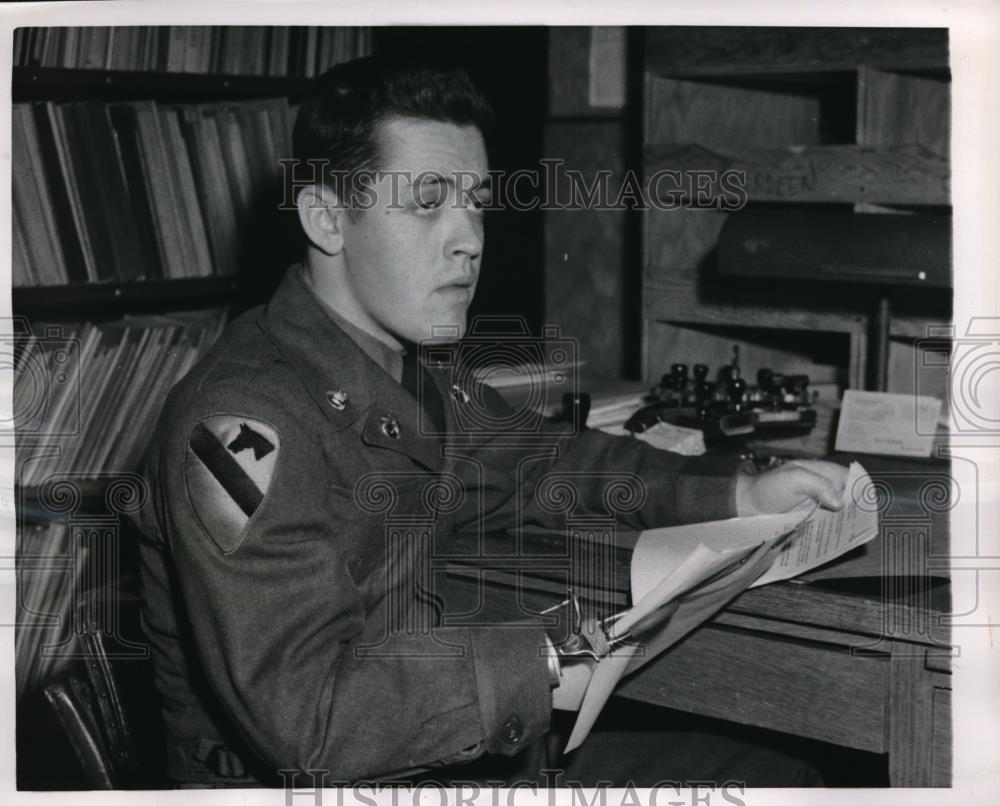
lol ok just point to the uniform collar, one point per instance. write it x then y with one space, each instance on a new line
332 366
391 360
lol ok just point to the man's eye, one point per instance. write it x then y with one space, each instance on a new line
478 203
430 198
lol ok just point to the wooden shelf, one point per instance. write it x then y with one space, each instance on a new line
721 52
92 499
675 302
83 298
810 126
890 249
64 84
908 174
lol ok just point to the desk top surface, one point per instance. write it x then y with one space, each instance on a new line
851 595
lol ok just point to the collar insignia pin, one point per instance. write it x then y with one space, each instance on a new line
390 426
337 398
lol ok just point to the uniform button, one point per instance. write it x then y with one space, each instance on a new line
513 730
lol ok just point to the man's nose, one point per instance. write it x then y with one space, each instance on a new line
465 233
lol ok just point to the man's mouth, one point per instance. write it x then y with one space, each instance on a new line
465 285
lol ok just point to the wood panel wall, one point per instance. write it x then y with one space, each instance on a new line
588 290
825 118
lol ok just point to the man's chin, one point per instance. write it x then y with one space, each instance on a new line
446 327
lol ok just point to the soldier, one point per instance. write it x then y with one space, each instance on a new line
290 628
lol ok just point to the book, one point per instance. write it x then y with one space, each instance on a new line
190 213
125 383
121 125
229 50
161 189
277 56
50 568
20 266
130 255
61 194
118 388
236 159
50 376
121 371
40 249
201 135
89 185
127 191
97 399
157 375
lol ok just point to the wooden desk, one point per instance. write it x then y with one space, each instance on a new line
861 662
819 664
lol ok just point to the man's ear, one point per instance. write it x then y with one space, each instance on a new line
321 216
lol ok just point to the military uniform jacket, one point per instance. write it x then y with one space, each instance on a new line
293 511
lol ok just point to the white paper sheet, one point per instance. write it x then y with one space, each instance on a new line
660 552
701 567
826 535
666 564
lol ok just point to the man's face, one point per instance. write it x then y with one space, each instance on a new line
412 259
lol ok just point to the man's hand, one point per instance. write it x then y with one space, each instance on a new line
791 486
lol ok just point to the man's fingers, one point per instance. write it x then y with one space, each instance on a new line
790 486
835 473
820 488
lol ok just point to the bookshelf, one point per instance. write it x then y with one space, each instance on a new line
120 285
292 51
146 166
102 300
67 84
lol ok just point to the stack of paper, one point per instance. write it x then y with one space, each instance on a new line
681 576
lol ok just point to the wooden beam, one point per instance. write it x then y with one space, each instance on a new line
678 302
908 174
717 51
718 115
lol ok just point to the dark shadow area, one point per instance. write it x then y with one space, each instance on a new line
510 66
838 766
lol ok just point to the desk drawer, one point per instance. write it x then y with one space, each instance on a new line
805 688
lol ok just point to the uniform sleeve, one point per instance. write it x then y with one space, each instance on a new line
675 489
318 669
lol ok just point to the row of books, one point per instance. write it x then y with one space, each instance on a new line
86 396
50 571
129 190
256 50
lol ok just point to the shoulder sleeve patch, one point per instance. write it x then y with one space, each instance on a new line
228 468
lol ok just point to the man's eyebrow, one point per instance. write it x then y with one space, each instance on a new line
479 183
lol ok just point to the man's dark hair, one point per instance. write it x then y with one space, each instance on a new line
338 123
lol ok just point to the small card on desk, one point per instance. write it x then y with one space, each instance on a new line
889 424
